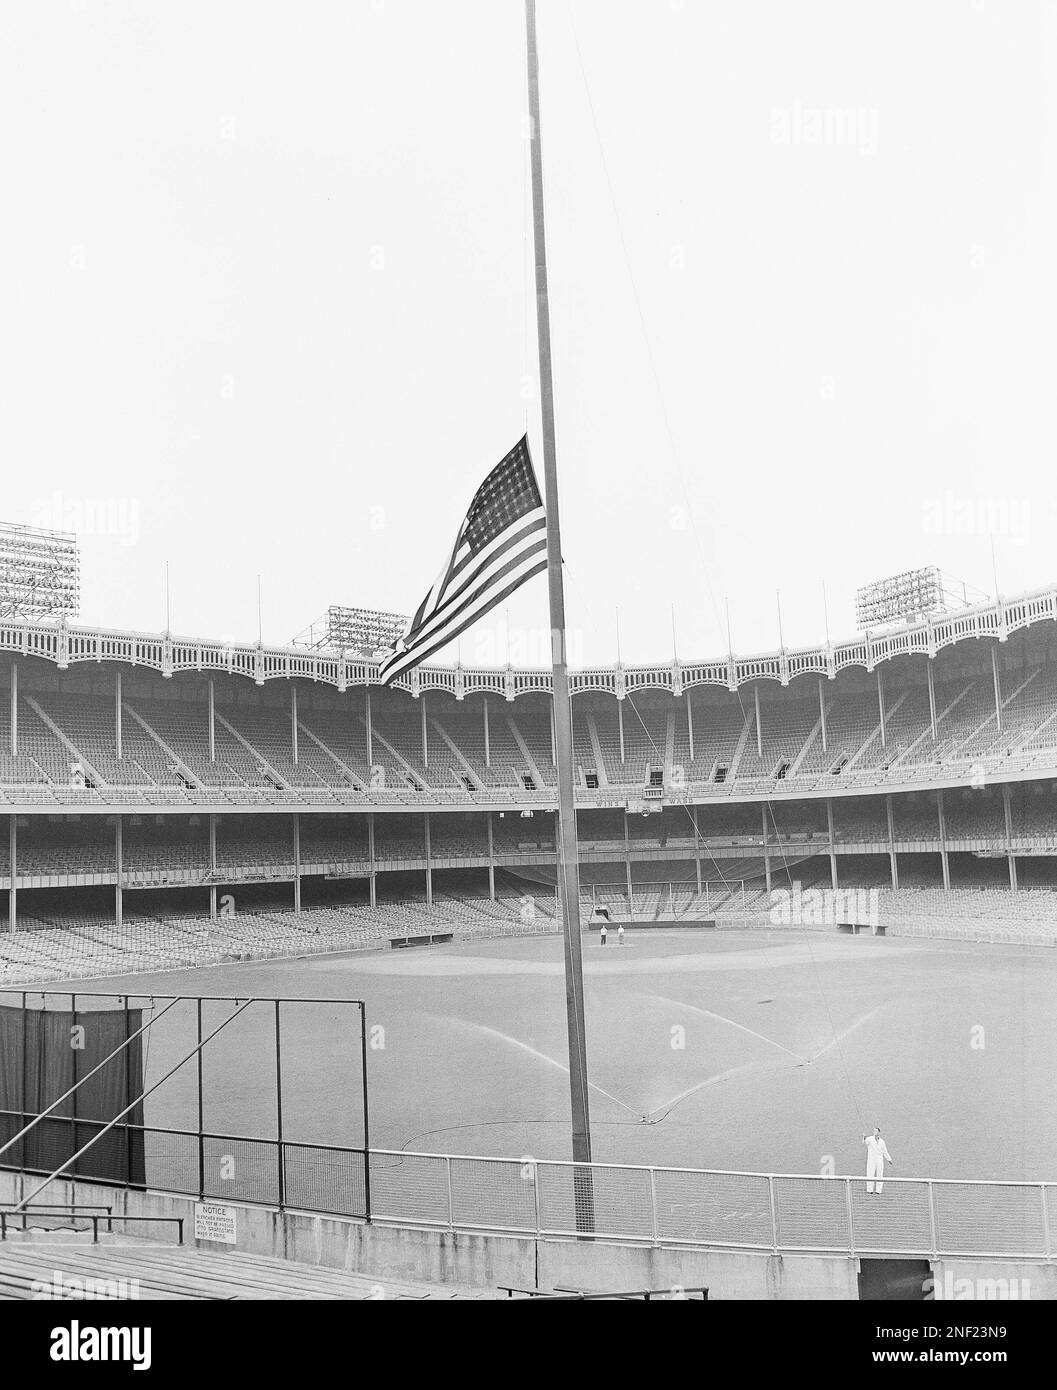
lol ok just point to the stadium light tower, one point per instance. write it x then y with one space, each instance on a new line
906 596
363 631
39 572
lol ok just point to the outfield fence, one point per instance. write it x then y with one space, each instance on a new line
770 1212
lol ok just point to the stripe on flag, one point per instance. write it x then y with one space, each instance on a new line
501 544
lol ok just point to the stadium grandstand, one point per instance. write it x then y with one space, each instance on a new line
171 801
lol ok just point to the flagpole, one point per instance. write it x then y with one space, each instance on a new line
568 862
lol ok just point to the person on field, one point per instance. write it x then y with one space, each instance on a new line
876 1154
620 936
600 918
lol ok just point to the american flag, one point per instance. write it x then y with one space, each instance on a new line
501 544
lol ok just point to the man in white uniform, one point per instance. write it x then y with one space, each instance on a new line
876 1153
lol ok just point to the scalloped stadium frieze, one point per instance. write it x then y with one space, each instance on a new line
67 644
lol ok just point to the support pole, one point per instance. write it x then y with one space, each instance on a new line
366 1115
23 1078
766 849
759 729
832 844
118 864
932 701
429 862
117 714
627 866
297 861
620 728
690 723
998 686
212 723
129 1095
212 824
14 709
1006 807
370 855
822 712
425 740
893 861
281 1175
293 723
370 738
487 739
199 1065
75 1069
569 868
491 857
697 852
944 862
881 706
12 865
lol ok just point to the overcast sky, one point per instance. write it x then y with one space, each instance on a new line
265 303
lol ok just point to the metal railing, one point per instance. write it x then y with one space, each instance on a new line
767 1212
562 1295
22 1219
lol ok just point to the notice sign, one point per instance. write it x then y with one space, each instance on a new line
215 1222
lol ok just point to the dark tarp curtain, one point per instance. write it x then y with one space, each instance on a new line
39 1062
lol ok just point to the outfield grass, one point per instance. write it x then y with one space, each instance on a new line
763 1051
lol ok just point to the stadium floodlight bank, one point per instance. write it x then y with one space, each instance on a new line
363 632
908 595
40 573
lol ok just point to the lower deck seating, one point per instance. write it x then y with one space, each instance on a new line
89 946
68 947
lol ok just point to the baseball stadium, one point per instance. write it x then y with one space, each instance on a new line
341 968
319 919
